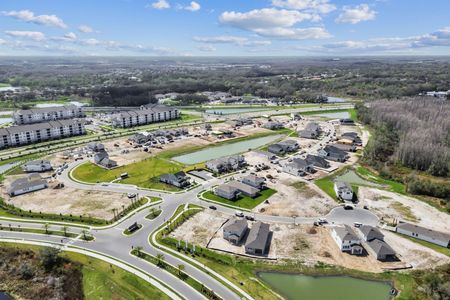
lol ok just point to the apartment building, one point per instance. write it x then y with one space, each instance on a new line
145 115
38 115
40 132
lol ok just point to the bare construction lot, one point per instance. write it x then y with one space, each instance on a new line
308 244
68 200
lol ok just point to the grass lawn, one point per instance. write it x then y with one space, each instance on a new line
144 173
326 184
154 213
242 201
104 281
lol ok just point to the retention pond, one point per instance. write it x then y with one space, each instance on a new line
214 152
302 287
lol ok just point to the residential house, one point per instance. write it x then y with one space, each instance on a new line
273 125
258 240
343 190
179 179
38 115
235 230
332 153
276 149
31 183
102 159
345 147
95 147
254 181
376 245
226 164
296 116
289 145
425 234
37 166
317 161
298 167
147 114
311 131
347 240
40 132
226 191
353 136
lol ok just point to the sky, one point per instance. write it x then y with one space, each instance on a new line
224 27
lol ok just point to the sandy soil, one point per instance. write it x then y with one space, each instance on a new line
386 204
307 244
68 201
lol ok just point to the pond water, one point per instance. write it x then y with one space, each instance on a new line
334 115
224 150
353 178
41 105
5 296
301 287
335 100
229 111
5 120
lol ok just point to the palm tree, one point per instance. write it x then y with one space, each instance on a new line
138 250
84 233
114 212
181 268
160 259
64 229
46 226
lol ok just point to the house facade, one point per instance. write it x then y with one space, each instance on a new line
40 132
178 179
347 240
425 234
254 181
343 191
226 164
298 167
31 183
332 153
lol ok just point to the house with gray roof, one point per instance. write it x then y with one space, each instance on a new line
44 114
147 114
258 240
369 233
343 190
347 240
102 159
317 161
226 164
31 183
298 167
333 153
178 179
283 147
311 131
346 148
425 234
380 250
235 230
273 125
95 147
254 181
37 166
232 189
276 149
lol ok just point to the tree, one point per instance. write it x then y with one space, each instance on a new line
84 232
139 250
46 226
49 258
180 268
64 229
160 259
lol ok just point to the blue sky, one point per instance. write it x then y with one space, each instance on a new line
226 27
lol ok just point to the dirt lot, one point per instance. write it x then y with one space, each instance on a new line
390 205
68 201
308 244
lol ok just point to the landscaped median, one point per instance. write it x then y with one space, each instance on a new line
242 201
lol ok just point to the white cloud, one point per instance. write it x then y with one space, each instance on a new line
31 35
275 23
193 6
161 4
70 36
318 6
206 48
85 29
90 42
229 39
356 14
30 17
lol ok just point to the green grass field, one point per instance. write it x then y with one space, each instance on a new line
144 173
104 281
242 201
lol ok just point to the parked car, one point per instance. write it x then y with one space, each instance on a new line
322 221
213 207
131 195
239 214
250 218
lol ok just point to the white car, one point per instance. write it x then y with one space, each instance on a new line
239 214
